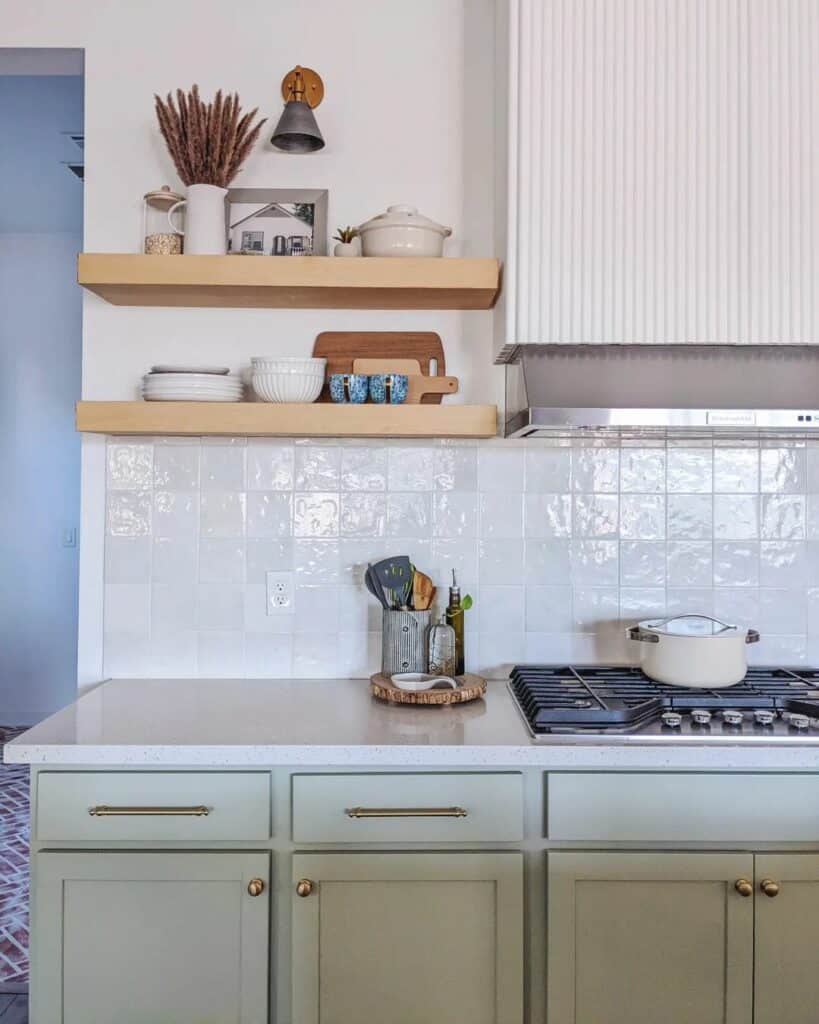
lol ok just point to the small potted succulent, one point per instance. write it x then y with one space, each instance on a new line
349 244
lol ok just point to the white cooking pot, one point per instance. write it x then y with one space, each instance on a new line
693 650
402 231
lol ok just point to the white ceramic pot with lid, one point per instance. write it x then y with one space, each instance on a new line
402 231
693 650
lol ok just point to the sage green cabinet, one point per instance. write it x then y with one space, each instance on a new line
787 939
412 937
637 938
143 937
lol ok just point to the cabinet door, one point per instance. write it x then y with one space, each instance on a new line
637 938
787 938
139 937
410 937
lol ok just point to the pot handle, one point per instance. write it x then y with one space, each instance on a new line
642 635
708 618
752 636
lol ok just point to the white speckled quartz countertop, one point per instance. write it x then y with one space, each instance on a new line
336 723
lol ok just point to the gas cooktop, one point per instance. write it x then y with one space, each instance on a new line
770 705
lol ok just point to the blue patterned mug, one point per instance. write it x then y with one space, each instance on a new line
389 387
349 387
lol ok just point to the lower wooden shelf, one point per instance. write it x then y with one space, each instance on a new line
239 419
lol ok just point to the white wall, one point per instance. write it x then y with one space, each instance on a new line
393 117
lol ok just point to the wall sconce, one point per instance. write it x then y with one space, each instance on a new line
297 131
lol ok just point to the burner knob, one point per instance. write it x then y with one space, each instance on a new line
673 719
799 722
701 716
762 716
732 717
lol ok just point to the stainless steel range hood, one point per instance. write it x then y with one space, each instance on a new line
661 390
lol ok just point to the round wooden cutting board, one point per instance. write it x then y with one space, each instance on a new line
469 688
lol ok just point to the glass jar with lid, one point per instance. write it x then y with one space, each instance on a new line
159 237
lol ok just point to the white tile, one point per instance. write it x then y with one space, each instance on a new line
269 514
736 470
126 655
256 619
223 468
129 513
270 465
783 564
690 470
595 515
264 556
173 656
690 600
353 655
129 466
595 608
501 609
642 516
548 648
736 516
812 517
173 608
642 563
498 652
783 517
549 609
315 656
176 467
220 606
127 608
595 563
318 468
175 559
455 469
460 555
642 470
690 563
364 469
409 515
317 561
501 515
736 564
220 654
363 514
268 656
641 603
783 470
813 611
547 515
783 612
812 468
316 515
500 561
595 469
500 468
221 560
548 470
690 516
316 609
175 514
778 650
547 561
358 611
455 514
127 559
737 606
222 515
410 469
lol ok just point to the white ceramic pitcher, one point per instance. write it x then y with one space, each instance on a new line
205 220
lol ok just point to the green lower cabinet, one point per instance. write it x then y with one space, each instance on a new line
638 938
150 938
787 939
415 938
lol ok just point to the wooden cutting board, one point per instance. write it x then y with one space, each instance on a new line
418 384
342 348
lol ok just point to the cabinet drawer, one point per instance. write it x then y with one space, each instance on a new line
407 808
183 806
695 808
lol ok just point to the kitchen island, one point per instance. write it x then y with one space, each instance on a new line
294 851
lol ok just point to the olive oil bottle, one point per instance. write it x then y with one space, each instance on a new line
455 618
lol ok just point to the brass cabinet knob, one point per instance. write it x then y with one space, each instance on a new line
743 887
769 887
255 887
304 887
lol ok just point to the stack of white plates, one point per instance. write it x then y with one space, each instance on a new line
191 384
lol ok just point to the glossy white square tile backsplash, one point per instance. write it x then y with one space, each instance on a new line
561 545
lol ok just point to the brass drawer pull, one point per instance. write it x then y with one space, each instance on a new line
103 811
255 887
743 887
406 812
769 887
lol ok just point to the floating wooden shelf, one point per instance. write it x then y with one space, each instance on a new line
240 419
303 282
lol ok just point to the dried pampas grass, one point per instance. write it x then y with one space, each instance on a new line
208 142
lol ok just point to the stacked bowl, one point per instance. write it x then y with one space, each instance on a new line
287 379
191 384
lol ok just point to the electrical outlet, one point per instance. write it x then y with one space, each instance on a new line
280 594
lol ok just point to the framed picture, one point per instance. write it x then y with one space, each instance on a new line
277 221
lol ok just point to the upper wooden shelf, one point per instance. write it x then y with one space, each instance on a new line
301 282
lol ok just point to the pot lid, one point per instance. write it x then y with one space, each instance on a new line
162 196
691 625
402 216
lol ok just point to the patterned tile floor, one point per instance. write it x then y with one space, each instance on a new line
13 869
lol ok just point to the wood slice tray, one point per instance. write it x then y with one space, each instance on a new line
470 687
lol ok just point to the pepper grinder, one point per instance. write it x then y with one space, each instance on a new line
455 619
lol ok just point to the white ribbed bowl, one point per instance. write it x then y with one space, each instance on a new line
288 364
288 387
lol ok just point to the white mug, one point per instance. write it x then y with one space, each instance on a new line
205 222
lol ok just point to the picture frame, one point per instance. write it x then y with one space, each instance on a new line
277 221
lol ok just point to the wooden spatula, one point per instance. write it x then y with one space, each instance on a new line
423 591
